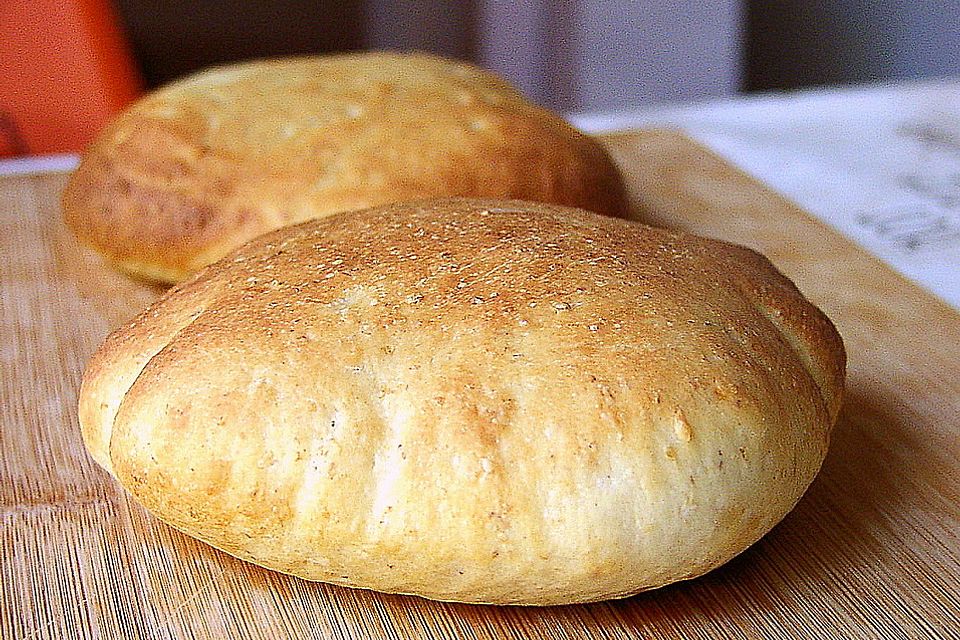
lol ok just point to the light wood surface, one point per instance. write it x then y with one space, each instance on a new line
872 551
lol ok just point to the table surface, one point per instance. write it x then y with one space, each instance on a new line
872 550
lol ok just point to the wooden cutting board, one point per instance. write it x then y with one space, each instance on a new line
872 551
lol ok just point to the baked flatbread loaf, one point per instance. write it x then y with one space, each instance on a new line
478 401
202 165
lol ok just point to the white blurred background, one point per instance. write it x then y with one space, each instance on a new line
577 55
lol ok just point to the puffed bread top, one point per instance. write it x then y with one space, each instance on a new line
480 401
202 165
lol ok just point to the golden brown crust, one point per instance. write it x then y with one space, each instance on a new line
480 401
204 164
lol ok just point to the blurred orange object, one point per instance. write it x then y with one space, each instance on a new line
65 70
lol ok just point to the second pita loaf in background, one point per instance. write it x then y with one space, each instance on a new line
204 164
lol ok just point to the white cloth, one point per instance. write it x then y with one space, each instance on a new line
881 164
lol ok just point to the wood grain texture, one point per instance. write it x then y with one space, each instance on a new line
872 551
